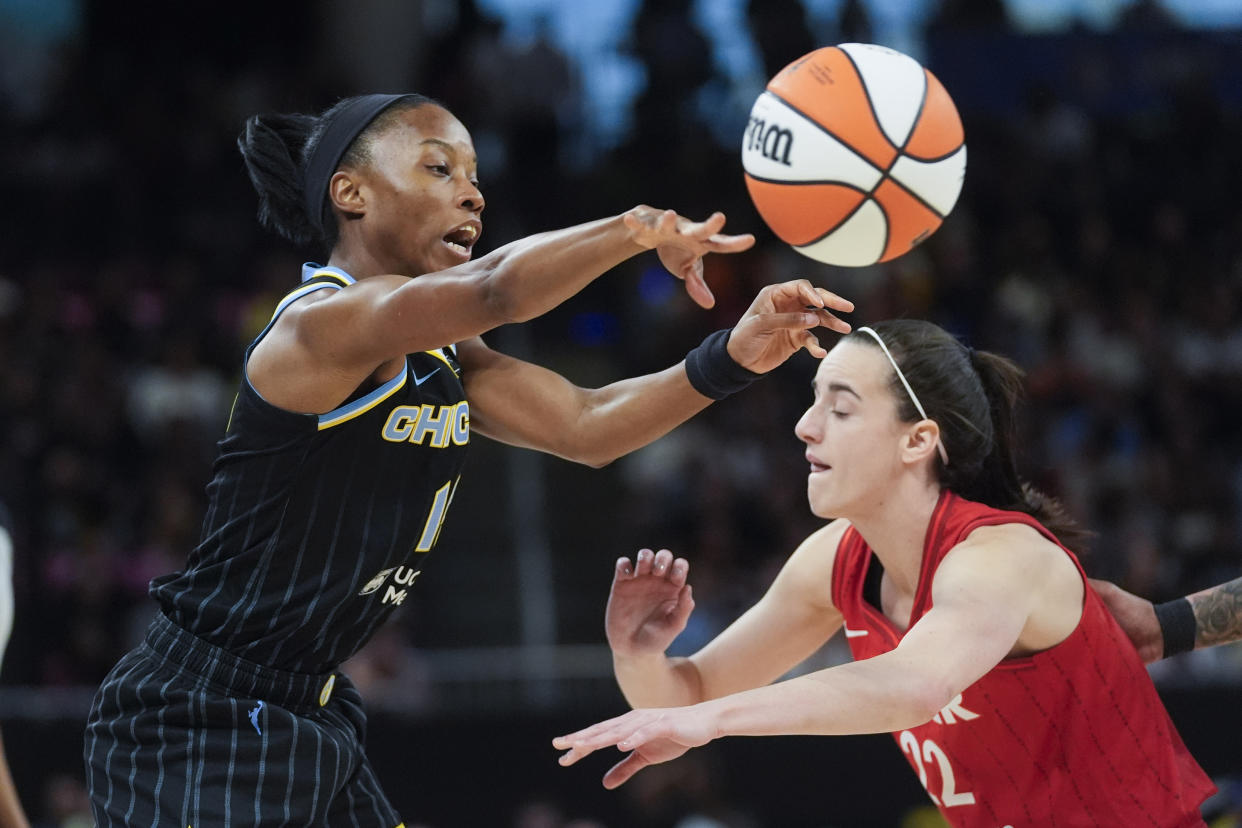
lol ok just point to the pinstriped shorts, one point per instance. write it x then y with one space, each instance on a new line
183 733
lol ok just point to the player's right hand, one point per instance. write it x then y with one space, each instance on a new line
682 244
649 603
1137 618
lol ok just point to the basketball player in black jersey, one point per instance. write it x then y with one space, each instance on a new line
344 448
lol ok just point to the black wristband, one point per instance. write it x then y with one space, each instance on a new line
714 373
1177 626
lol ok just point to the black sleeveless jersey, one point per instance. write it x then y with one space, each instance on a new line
317 525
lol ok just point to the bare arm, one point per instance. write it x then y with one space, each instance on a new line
1003 591
1217 616
988 596
650 603
328 342
525 405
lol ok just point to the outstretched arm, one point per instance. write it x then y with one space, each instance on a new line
651 601
983 597
326 343
522 404
1213 616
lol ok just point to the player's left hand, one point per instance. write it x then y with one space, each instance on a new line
778 323
652 735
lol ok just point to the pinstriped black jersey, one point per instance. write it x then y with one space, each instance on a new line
317 525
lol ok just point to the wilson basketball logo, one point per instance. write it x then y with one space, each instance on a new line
770 140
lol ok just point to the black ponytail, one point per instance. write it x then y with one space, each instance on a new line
973 396
274 147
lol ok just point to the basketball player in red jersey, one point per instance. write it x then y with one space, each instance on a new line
1006 683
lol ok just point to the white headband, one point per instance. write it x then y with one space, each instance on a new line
944 454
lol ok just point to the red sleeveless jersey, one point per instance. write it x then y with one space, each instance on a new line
1072 736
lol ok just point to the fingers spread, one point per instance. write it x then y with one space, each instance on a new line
668 222
790 321
718 243
712 226
678 572
812 345
643 566
696 286
621 772
685 606
835 302
810 296
833 323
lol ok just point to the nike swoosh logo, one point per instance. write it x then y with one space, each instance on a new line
420 380
854 633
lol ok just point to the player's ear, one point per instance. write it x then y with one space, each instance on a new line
346 193
920 441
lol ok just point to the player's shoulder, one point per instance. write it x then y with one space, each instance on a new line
1016 548
819 549
811 565
1015 537
829 535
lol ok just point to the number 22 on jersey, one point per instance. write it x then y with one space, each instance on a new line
929 751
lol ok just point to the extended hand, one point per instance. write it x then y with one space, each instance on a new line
682 244
778 323
1137 618
652 736
649 603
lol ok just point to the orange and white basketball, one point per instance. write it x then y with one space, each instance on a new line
854 154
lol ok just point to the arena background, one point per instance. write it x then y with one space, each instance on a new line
1098 241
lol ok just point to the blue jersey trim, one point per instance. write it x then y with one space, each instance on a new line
364 404
310 270
292 297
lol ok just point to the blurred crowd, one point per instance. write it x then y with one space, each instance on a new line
1098 242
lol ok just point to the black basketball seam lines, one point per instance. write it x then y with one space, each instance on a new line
888 230
901 151
830 133
919 113
937 158
826 181
844 220
875 116
913 195
884 172
868 196
847 146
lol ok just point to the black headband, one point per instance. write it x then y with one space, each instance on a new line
341 131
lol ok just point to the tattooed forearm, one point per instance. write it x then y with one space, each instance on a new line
1218 614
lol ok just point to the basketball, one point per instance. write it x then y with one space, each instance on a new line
854 154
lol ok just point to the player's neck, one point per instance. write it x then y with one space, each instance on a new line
896 529
360 260
358 264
